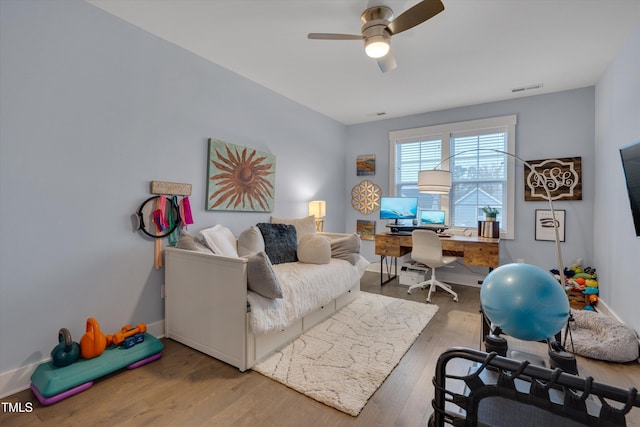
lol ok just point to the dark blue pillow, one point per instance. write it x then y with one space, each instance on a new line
280 242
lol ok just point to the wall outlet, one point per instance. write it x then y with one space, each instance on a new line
520 260
162 294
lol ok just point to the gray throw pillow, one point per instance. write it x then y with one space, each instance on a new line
346 248
190 242
280 242
261 278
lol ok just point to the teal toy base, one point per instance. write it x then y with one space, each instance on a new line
51 380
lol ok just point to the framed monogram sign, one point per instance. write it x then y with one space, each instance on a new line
563 178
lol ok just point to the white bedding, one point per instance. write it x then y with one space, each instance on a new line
305 288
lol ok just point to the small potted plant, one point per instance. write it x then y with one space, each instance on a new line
490 213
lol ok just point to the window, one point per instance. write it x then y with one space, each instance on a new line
481 176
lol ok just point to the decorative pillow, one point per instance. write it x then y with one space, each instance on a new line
261 278
304 226
314 249
220 240
347 248
280 242
250 242
190 242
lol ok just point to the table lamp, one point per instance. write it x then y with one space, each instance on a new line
318 208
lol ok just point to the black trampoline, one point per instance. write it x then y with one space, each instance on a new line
498 391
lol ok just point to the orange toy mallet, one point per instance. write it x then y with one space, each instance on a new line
126 332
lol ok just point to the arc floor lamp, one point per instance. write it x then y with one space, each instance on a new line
438 181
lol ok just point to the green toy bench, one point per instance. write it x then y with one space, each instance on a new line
52 384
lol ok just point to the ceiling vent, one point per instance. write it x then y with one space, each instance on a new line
525 88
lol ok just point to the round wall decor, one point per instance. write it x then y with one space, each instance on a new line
365 197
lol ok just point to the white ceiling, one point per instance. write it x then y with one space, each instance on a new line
476 51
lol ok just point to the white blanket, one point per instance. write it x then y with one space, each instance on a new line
305 287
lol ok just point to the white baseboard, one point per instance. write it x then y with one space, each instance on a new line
17 380
374 266
459 278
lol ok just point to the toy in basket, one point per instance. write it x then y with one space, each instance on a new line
581 285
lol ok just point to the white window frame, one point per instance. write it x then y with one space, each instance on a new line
444 132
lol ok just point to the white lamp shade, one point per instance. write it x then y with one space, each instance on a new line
318 208
434 181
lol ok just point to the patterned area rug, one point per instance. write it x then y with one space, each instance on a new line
342 361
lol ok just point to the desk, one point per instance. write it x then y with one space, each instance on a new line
479 251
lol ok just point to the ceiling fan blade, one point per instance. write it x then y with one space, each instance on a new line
387 62
330 36
415 15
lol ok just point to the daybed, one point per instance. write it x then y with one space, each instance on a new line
216 303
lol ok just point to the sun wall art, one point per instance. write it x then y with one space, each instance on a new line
240 178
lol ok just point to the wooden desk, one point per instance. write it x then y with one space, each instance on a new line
479 251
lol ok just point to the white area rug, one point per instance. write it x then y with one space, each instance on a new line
342 361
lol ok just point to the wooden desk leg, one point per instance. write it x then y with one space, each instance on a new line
389 276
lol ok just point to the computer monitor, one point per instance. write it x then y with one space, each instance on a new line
398 208
429 217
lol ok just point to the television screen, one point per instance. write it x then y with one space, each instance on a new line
432 217
630 156
398 207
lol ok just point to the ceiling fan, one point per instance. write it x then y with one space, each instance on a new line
378 26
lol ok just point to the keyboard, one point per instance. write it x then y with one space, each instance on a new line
407 229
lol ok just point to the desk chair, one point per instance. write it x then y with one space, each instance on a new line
427 250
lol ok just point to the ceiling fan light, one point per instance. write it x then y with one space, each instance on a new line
376 46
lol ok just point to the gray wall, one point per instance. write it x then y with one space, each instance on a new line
616 247
554 125
92 110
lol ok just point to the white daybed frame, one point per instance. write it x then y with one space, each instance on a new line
206 308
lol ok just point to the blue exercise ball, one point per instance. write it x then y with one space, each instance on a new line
525 301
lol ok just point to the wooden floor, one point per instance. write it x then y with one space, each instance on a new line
188 388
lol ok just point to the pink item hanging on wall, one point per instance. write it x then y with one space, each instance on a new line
187 218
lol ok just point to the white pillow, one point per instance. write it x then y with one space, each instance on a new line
314 249
220 240
250 242
304 226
